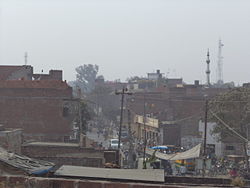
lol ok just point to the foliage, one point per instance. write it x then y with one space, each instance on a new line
86 75
105 98
233 118
149 160
86 115
238 181
233 108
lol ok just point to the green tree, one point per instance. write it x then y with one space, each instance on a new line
231 112
86 114
85 76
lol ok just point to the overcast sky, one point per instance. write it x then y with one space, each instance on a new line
128 37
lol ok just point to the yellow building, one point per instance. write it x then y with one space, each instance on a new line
151 126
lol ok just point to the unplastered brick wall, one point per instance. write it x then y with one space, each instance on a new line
11 140
34 182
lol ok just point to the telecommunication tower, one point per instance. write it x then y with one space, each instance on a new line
25 58
220 64
208 69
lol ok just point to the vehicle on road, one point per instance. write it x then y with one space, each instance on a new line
114 143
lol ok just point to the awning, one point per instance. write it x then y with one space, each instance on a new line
189 154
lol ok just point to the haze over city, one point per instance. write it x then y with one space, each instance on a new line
127 38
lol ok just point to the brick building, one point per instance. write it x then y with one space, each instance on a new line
25 72
64 153
178 107
40 104
40 108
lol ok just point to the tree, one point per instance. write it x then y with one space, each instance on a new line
86 75
231 112
105 98
86 115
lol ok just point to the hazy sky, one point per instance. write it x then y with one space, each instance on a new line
128 37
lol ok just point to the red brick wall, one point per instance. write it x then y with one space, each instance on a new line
175 104
39 112
34 182
53 151
66 155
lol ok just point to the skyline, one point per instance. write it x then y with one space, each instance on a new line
128 38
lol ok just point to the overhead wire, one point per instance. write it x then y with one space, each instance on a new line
228 126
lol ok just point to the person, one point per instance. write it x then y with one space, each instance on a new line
168 169
233 173
183 169
100 145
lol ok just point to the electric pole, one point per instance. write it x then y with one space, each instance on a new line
130 137
205 138
123 92
145 133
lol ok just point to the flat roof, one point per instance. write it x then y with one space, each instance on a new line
147 175
62 144
9 130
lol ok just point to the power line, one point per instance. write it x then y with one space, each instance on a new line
228 127
191 100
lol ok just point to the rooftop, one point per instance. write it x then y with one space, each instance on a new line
7 70
26 164
60 144
9 130
150 175
42 84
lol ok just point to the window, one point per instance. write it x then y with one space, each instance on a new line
229 147
65 111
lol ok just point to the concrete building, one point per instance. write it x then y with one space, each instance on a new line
214 145
155 75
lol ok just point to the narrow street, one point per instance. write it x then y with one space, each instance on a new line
99 139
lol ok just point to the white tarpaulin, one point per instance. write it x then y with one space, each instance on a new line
189 154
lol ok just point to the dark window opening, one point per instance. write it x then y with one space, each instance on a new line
65 111
229 147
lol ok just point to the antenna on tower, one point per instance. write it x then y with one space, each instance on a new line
220 64
25 58
208 69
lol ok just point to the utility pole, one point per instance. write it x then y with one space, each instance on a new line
205 138
82 134
130 137
123 92
145 132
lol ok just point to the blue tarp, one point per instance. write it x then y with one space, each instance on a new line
160 147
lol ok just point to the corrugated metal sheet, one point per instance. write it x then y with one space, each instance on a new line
26 164
150 175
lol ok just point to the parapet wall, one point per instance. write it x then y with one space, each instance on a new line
35 182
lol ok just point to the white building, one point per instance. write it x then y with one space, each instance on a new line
213 143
